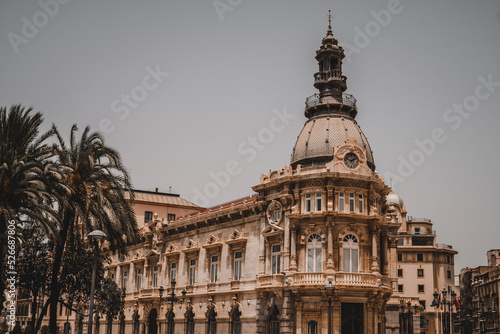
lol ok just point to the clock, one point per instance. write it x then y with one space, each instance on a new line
351 160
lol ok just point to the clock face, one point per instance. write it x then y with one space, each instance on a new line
351 160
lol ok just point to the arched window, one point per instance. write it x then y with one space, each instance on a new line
350 253
314 253
190 322
273 321
212 322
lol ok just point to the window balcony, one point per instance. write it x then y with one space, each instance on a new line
265 281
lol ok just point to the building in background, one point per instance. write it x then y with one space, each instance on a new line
479 296
423 267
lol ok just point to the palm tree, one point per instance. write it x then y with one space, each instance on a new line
23 187
91 188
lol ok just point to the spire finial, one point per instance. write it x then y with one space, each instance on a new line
329 22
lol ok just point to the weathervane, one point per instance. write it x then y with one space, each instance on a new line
329 16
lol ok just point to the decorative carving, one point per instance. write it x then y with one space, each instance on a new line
236 235
172 249
192 244
210 305
213 239
274 213
287 200
234 305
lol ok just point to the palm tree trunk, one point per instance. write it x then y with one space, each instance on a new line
55 289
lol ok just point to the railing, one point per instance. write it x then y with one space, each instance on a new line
355 279
271 280
309 279
321 279
445 246
328 75
314 100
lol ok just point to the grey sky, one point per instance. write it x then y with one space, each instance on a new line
228 71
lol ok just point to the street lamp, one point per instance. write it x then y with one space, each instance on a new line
407 317
97 236
329 292
172 298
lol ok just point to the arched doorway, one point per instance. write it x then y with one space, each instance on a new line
236 321
212 321
171 322
189 322
352 318
152 322
273 322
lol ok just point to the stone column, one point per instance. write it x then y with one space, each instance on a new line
262 253
385 251
330 198
293 248
131 278
337 316
375 266
330 265
267 253
286 244
117 276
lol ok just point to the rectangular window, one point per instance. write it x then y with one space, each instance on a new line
420 288
400 272
238 257
192 271
422 303
173 271
318 201
148 216
155 276
308 203
400 288
170 217
139 280
361 203
351 202
400 257
276 259
401 242
448 259
125 279
420 257
420 273
112 277
214 265
449 274
417 230
341 202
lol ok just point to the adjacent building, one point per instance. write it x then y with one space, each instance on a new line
479 289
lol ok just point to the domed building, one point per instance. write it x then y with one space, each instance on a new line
314 250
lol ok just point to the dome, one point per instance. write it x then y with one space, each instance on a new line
320 135
393 198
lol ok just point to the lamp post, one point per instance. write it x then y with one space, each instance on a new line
97 236
446 323
172 298
329 290
407 318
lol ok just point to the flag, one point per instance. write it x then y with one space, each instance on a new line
457 303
